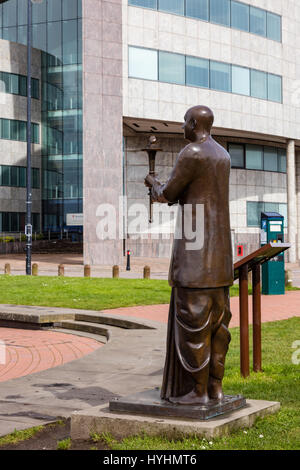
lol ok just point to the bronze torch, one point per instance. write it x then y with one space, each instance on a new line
151 151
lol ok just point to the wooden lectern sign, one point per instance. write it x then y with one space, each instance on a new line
252 263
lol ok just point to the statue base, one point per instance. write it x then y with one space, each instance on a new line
149 403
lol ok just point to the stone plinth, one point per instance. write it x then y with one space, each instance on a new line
100 419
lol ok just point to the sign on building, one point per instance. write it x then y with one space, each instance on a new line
75 220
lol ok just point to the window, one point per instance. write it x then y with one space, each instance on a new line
259 84
54 10
22 13
35 178
14 84
17 84
23 85
22 177
5 129
35 133
5 79
220 12
258 21
5 180
70 42
54 41
237 152
10 13
220 76
69 9
35 88
240 14
254 210
270 159
240 80
10 34
187 70
14 176
258 157
197 72
197 9
172 6
172 68
274 88
282 160
254 157
143 63
16 130
22 131
232 13
282 209
144 3
273 26
39 11
15 221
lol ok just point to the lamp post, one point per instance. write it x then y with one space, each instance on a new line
28 226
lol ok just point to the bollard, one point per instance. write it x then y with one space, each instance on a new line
147 272
35 269
128 261
115 271
87 270
61 270
288 278
7 268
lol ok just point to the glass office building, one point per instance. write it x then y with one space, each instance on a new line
57 32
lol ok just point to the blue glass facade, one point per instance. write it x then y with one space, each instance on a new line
57 32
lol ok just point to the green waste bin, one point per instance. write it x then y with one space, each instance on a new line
272 230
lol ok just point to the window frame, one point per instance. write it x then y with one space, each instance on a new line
244 155
209 20
259 145
234 27
263 210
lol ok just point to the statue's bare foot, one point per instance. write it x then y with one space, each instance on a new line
215 391
190 399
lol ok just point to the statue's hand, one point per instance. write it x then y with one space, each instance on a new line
149 181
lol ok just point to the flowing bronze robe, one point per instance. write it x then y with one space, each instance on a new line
199 315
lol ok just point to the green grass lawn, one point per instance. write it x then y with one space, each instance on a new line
85 293
82 293
279 381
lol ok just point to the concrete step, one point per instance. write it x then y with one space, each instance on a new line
116 321
88 327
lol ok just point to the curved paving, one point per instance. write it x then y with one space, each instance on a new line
30 351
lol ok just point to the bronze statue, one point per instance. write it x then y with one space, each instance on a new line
199 315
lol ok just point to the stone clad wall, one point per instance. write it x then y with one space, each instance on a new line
102 123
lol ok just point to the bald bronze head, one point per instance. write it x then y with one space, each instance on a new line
198 122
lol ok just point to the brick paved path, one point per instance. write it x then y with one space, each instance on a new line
274 307
29 351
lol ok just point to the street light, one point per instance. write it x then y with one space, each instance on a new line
28 226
